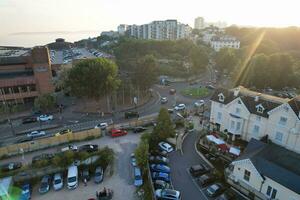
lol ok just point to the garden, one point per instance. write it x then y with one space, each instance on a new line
195 92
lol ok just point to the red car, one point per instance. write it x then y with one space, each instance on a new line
118 132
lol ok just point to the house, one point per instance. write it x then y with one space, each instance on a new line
245 114
219 42
266 171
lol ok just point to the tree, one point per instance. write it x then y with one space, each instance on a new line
93 78
45 102
226 59
163 129
141 153
145 72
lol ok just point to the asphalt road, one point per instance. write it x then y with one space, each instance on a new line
179 164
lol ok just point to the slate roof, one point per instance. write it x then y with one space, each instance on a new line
248 97
274 162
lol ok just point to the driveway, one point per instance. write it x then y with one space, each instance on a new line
179 164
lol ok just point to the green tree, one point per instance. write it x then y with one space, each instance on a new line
163 129
141 153
226 59
45 102
93 78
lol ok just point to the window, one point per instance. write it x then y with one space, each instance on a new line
271 192
232 124
239 102
237 110
238 126
219 116
282 121
255 129
279 136
221 97
247 175
260 109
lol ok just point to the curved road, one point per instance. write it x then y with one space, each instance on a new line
179 164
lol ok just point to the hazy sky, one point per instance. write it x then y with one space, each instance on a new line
81 15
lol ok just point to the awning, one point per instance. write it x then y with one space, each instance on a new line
214 139
235 151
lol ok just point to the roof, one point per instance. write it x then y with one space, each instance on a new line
275 162
252 99
17 60
295 105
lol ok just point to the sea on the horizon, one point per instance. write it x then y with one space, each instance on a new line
37 39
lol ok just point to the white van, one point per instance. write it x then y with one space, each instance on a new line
72 177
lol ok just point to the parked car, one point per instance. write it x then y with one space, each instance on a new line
29 120
206 179
64 131
199 103
214 190
165 147
229 194
44 156
160 168
72 178
164 100
57 182
159 159
85 174
139 129
89 148
45 185
138 180
133 160
70 147
161 176
35 134
180 107
102 126
168 194
118 132
10 166
26 192
172 91
159 184
131 114
44 118
99 174
198 170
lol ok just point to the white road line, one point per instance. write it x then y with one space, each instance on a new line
187 170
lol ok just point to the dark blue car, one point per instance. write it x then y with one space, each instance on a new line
161 176
160 168
26 192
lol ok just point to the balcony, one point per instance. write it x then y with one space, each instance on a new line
21 95
17 81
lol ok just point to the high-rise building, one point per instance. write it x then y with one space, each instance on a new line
159 30
199 23
24 74
122 29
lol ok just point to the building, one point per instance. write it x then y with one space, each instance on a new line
199 23
159 30
24 74
266 171
112 34
122 29
245 114
210 32
219 42
60 44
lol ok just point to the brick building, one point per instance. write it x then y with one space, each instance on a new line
24 74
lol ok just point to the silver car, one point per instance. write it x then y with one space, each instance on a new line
99 173
34 134
57 182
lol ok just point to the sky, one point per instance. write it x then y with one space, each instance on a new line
99 15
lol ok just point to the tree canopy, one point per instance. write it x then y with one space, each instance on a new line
45 102
93 78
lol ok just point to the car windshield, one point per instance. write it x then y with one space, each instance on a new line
212 189
138 177
72 179
57 181
44 184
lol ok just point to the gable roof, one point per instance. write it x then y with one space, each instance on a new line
250 99
295 105
274 162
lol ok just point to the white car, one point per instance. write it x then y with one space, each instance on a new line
180 107
165 147
44 118
164 100
57 182
168 194
199 103
36 134
102 126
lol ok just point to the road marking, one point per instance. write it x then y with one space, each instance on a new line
195 183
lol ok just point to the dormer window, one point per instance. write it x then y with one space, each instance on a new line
221 97
260 108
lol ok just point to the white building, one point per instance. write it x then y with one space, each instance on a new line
160 30
219 42
246 114
122 29
199 23
266 171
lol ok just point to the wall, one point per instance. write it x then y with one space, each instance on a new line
48 142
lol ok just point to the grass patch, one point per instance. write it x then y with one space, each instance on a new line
195 92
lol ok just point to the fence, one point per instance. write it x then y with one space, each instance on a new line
48 142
